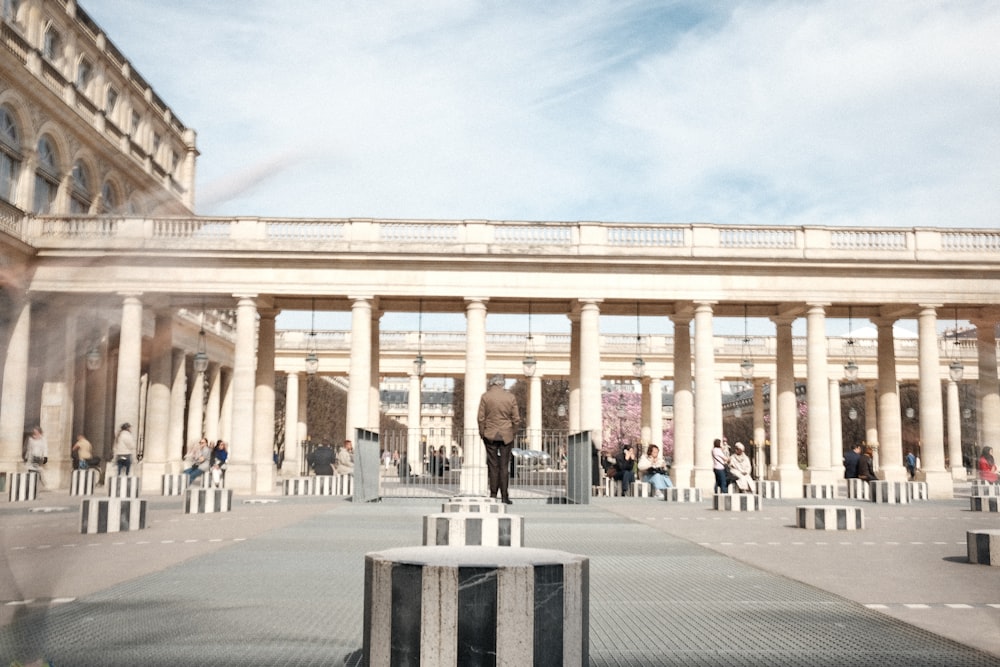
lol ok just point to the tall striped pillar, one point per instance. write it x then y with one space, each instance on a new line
476 606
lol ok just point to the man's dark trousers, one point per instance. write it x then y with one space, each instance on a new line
498 466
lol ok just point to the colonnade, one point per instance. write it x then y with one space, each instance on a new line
239 403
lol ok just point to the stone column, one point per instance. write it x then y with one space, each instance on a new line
683 468
226 406
955 433
158 405
414 402
291 464
196 410
656 412
890 430
96 411
708 396
817 397
871 418
590 370
473 479
129 364
178 397
645 432
939 482
760 438
535 412
240 470
989 389
13 396
574 370
788 471
213 402
263 409
836 431
58 372
374 397
360 365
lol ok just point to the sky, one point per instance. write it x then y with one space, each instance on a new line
809 112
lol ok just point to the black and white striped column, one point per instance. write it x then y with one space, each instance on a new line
333 485
473 530
858 488
676 495
819 491
917 491
981 504
23 486
889 492
112 515
81 482
297 486
768 488
447 607
174 485
736 502
480 505
123 486
981 488
207 501
984 546
830 517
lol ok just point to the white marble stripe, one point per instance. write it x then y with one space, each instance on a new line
515 615
439 616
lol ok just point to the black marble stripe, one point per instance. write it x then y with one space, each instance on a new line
477 609
404 630
549 622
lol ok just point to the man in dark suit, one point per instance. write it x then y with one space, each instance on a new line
321 460
851 458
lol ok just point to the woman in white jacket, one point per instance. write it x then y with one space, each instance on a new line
740 468
653 469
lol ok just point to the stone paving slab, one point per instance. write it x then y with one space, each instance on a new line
283 585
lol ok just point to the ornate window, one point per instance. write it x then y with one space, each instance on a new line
10 155
112 101
79 200
109 198
84 74
46 178
52 45
10 8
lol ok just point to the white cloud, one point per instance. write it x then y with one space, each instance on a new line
833 112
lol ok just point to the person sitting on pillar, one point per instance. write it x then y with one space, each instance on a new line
851 458
987 466
198 460
866 466
625 468
740 469
321 460
345 459
653 469
124 450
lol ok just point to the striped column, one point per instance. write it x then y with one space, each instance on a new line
473 530
984 546
736 502
112 515
173 485
482 505
917 491
676 495
23 486
889 492
984 504
123 486
768 488
81 482
642 489
981 488
447 607
297 486
819 491
207 501
830 517
612 487
858 488
333 485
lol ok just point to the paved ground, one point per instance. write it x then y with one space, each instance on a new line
281 583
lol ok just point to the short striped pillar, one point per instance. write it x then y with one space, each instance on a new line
475 504
297 486
859 489
830 517
984 546
112 515
736 502
123 486
819 491
676 495
612 487
984 504
768 488
174 485
333 485
642 490
448 606
23 486
207 501
981 488
473 530
82 482
889 492
916 491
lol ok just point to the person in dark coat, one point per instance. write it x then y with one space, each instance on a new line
866 466
851 458
321 460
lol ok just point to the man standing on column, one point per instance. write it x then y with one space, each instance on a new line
499 418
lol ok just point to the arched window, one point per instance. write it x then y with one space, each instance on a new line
46 178
10 155
79 200
109 198
84 75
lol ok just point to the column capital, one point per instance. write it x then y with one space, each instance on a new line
366 297
929 306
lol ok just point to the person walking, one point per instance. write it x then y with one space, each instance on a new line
987 466
498 419
124 450
36 453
